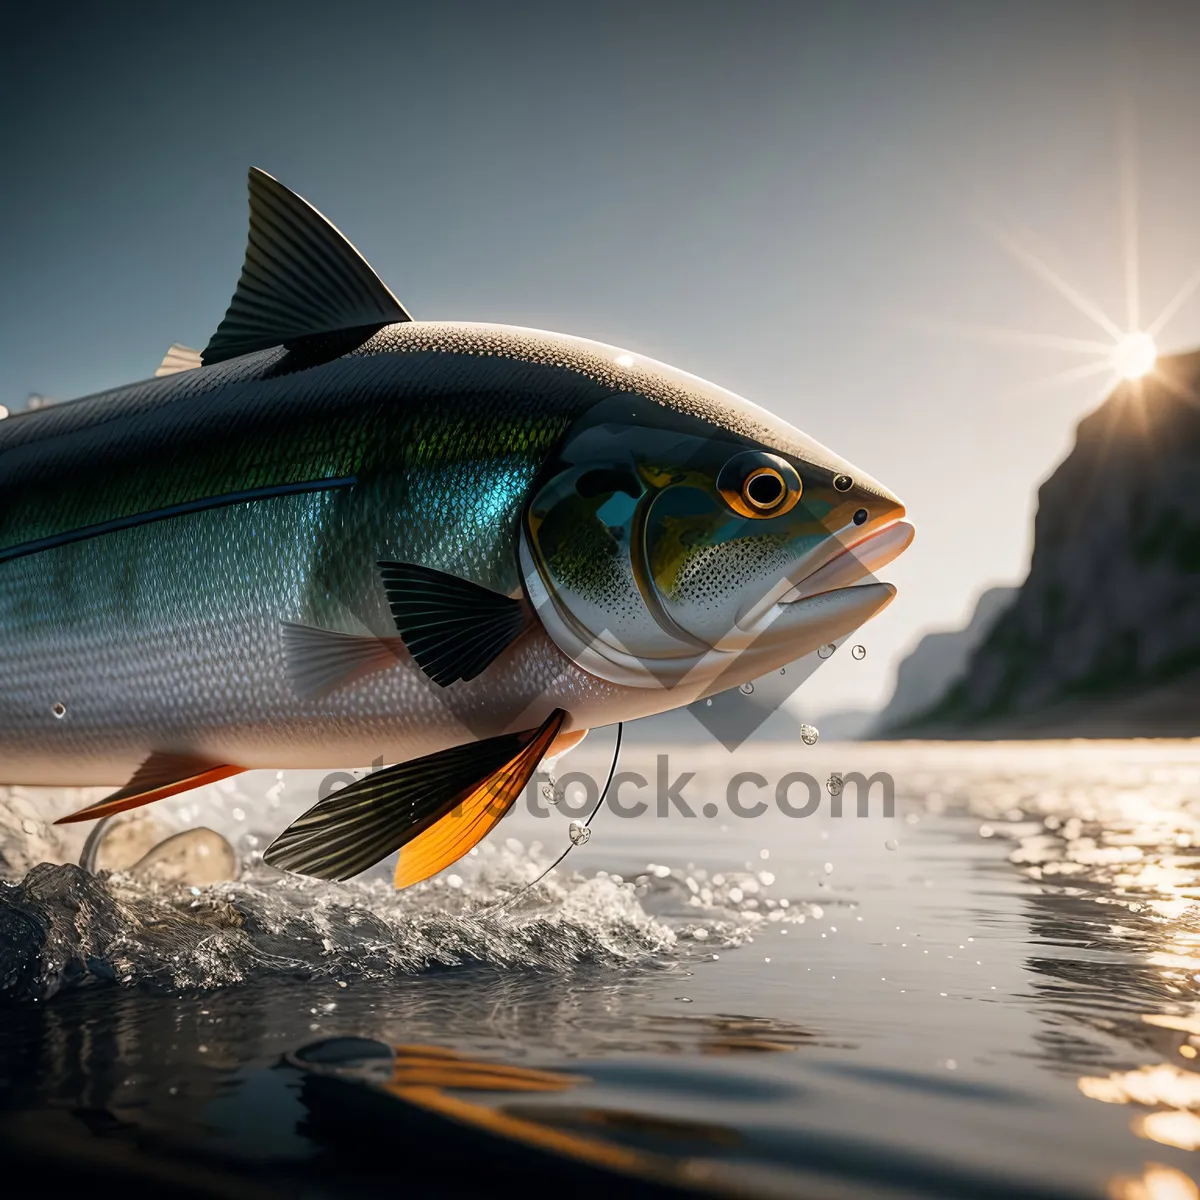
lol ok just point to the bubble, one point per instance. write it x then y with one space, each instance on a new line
700 934
891 844
834 784
782 671
747 689
579 833
59 710
809 734
826 650
859 652
828 868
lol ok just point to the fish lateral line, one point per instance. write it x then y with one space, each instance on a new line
188 507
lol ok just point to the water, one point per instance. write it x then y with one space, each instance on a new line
993 992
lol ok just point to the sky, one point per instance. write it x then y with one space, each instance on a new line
833 210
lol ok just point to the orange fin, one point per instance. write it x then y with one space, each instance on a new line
354 828
565 742
160 776
470 821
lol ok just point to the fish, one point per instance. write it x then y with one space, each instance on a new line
339 535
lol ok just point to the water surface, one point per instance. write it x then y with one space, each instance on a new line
993 992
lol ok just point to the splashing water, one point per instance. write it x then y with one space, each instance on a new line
173 928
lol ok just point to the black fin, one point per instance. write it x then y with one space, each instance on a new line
453 628
353 829
300 277
320 661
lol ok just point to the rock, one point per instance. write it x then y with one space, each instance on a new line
1103 638
939 661
127 839
194 857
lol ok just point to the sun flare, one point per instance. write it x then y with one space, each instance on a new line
1134 355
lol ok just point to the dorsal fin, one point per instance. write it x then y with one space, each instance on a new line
178 358
301 277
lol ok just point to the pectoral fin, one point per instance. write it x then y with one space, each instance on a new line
453 628
471 786
320 661
160 776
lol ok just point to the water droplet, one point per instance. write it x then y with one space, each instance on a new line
828 869
747 689
782 671
238 814
708 703
700 934
578 833
809 734
834 784
684 999
764 854
826 650
859 652
892 844
986 831
59 710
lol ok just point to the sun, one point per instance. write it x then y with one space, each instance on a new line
1134 355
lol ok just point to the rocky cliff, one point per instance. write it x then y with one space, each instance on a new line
939 661
1103 638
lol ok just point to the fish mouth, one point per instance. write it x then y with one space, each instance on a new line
851 565
856 562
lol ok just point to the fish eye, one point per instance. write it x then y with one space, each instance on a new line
764 489
842 483
757 484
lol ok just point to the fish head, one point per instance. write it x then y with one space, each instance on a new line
676 544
